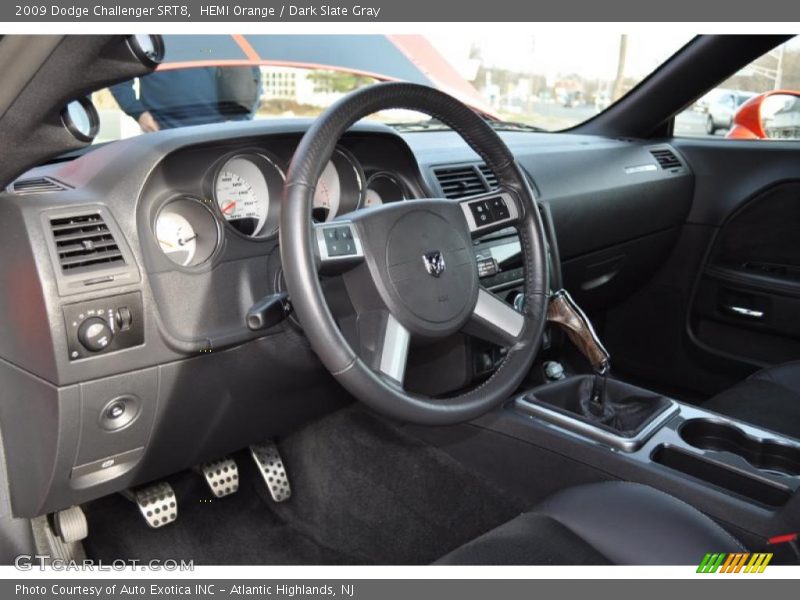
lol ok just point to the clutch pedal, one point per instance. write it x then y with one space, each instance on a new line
270 465
157 503
222 476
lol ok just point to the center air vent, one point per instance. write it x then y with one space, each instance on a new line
37 185
489 176
457 182
84 243
666 158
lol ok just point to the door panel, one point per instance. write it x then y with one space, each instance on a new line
740 249
748 298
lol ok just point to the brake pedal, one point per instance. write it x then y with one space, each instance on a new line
222 476
270 464
157 503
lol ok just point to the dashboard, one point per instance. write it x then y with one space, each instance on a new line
128 273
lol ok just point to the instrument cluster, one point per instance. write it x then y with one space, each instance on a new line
242 195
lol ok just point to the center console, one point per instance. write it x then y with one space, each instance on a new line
744 477
755 465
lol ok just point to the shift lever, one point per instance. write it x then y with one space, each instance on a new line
563 311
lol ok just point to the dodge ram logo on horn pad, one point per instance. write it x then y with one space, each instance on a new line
434 262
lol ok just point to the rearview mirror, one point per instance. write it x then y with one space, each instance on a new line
771 115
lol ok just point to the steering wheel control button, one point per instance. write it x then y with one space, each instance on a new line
481 212
499 209
94 334
270 465
104 325
337 241
157 503
222 476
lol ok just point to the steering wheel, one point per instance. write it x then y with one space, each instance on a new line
409 267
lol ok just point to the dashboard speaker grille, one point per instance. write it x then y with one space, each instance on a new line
37 185
84 243
666 158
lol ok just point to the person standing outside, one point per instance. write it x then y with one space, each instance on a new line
192 96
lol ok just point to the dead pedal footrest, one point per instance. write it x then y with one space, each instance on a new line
222 476
270 465
157 503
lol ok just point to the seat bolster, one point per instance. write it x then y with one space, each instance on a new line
786 375
633 524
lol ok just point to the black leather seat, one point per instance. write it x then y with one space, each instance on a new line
604 523
769 399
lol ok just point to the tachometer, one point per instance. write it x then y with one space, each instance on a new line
340 188
328 193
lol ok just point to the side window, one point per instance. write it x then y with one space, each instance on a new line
760 102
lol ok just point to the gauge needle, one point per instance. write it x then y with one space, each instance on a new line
165 243
182 242
229 207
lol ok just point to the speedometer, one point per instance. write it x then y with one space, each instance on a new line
242 195
247 189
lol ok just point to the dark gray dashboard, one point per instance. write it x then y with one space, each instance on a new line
195 381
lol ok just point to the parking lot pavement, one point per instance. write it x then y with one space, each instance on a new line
693 124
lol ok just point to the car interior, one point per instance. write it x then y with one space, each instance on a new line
579 347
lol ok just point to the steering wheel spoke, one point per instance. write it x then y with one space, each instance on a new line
489 212
495 320
394 346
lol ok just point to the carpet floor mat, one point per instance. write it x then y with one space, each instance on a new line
363 492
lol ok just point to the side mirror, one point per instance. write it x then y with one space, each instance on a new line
771 115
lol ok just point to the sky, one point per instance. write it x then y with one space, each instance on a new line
553 53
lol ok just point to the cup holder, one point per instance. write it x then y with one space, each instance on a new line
766 455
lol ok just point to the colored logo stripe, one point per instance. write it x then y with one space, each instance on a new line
734 563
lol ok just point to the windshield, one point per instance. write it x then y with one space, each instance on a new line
542 80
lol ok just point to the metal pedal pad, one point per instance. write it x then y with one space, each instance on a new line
157 503
270 464
222 476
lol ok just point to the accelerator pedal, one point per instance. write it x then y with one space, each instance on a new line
270 465
157 503
222 476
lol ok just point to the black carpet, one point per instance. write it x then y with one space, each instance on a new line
363 493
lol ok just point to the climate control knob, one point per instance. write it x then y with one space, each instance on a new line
94 334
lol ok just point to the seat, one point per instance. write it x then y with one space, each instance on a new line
597 524
770 398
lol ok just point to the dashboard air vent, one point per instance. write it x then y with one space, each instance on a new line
37 185
666 158
457 182
489 176
84 243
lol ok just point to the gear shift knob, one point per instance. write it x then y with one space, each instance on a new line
563 311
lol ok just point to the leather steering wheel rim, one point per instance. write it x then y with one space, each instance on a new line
300 257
